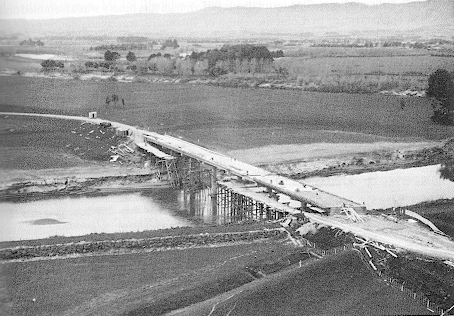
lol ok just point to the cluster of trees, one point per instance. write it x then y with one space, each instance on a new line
277 54
244 58
238 58
137 46
419 45
131 57
31 42
392 44
96 65
158 55
441 89
50 64
170 43
111 56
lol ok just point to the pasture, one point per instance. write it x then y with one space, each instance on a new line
397 65
228 118
158 282
109 285
364 73
338 285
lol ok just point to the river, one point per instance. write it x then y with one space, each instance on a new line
166 207
394 188
73 216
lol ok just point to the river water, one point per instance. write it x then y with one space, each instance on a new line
73 216
394 188
166 207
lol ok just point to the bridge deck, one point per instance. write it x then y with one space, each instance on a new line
295 189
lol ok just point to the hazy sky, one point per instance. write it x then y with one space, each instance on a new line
42 9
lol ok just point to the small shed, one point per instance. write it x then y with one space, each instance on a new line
92 115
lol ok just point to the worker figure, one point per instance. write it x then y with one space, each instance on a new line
123 101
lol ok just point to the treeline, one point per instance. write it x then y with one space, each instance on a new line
235 59
49 64
170 43
31 42
348 45
242 58
132 46
361 83
96 65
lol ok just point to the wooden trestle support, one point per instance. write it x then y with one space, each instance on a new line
196 178
239 207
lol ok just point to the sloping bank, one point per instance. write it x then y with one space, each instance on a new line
138 244
80 185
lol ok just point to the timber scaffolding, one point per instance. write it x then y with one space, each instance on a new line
191 167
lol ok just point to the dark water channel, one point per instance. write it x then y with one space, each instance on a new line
166 207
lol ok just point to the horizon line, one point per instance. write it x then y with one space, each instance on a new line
88 15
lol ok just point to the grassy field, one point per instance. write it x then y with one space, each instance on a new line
38 143
109 285
339 285
367 65
353 52
158 282
228 118
365 73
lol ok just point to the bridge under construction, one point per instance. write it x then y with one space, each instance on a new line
236 188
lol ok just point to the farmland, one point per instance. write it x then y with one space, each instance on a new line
81 284
158 282
397 65
227 118
364 73
352 290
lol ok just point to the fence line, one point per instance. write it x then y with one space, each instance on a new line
418 296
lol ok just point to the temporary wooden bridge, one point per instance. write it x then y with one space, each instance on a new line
244 189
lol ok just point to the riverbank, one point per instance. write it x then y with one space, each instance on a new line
323 160
101 179
439 212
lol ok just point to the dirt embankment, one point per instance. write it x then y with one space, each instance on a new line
80 185
330 159
140 244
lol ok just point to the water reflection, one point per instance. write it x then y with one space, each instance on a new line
200 206
84 215
447 170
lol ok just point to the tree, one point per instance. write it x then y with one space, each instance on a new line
131 57
441 89
170 43
447 170
50 64
111 56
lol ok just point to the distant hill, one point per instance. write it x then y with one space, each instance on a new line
433 16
